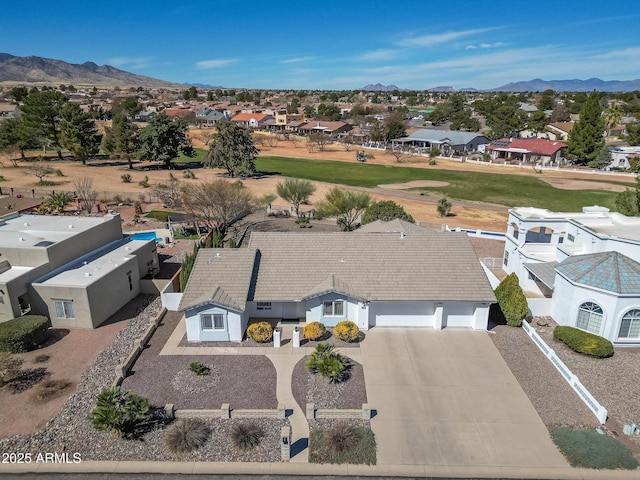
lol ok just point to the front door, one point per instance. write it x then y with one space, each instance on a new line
289 311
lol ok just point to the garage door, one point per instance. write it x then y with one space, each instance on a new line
409 314
458 315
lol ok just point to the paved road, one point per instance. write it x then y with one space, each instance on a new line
448 398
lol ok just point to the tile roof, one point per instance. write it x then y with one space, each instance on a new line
538 146
245 117
395 225
610 271
220 276
436 266
451 137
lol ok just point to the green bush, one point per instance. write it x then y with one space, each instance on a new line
326 361
260 332
347 331
119 411
584 342
186 435
23 333
342 443
126 178
246 435
199 368
512 300
589 449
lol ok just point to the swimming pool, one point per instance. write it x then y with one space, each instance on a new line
144 236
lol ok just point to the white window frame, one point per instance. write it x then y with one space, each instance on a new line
589 315
633 327
331 313
212 317
63 307
505 259
263 305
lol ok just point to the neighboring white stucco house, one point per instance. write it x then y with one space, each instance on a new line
420 279
585 264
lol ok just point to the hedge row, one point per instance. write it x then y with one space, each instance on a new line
584 342
23 333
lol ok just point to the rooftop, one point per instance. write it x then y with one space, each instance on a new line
610 271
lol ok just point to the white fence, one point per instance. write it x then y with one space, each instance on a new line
170 299
598 410
478 233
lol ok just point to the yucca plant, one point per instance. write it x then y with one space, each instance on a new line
186 435
119 411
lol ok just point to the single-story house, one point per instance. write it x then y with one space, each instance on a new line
584 265
207 117
328 128
447 141
251 120
559 130
416 279
527 150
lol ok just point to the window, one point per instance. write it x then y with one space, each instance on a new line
212 322
264 305
64 308
130 281
333 309
590 317
506 258
570 238
630 326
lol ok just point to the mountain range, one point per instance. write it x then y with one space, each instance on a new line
47 70
575 85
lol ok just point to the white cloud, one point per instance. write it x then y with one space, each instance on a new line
382 54
218 63
297 60
130 62
492 45
440 38
470 47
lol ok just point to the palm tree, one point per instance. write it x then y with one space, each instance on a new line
612 116
57 202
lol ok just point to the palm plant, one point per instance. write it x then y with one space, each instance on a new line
58 201
326 361
119 411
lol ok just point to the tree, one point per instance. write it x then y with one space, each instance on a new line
87 196
385 210
633 133
119 411
41 170
347 142
128 106
628 202
121 138
329 111
443 207
18 93
295 191
394 127
218 203
611 117
78 132
345 205
586 138
42 113
537 121
164 139
547 100
512 300
169 193
190 93
318 140
560 114
16 137
232 148
603 159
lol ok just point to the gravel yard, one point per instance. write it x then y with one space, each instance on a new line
554 400
313 388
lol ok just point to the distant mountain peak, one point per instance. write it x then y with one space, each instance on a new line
573 85
378 87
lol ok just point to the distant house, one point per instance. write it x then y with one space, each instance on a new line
207 117
527 150
144 116
252 120
284 120
621 157
447 141
328 128
558 131
425 279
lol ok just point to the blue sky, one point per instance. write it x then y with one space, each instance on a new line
414 44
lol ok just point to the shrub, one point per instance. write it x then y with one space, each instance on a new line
443 208
260 332
137 206
188 174
186 435
347 331
246 435
23 333
119 411
199 368
512 300
9 367
51 389
589 449
342 443
314 331
126 178
144 183
584 342
327 362
341 437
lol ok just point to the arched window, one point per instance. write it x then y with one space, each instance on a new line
630 325
590 317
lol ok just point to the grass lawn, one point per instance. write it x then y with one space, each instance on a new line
589 449
199 158
502 189
363 451
160 215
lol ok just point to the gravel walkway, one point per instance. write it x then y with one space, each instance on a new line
612 381
70 431
554 400
313 388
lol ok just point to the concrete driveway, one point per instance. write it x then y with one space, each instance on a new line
448 398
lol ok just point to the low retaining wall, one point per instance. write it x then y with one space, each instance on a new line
313 413
598 410
226 412
122 370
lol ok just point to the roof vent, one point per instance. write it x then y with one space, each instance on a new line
342 260
71 226
402 235
22 239
85 263
218 254
26 224
88 274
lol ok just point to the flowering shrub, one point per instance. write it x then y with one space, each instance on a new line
314 331
260 332
347 331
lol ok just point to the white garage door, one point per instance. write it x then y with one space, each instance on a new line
458 315
399 314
